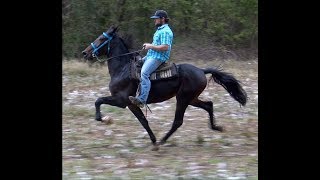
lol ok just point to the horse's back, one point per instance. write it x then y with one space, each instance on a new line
190 80
192 74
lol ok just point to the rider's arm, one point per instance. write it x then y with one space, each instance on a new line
162 47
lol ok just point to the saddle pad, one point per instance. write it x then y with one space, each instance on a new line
164 71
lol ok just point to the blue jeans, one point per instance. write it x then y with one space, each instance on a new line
149 66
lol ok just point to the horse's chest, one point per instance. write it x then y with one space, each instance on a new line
116 86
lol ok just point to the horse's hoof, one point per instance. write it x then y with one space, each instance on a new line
155 148
161 143
108 120
98 116
218 128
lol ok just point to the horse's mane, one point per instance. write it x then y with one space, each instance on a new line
127 40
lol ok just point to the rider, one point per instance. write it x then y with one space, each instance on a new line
158 53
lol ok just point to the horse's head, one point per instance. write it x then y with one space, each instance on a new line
100 46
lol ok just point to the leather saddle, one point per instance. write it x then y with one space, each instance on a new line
166 70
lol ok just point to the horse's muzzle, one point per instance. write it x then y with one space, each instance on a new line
85 55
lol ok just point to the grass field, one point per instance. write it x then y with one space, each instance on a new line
121 149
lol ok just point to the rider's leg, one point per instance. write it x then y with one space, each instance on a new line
149 66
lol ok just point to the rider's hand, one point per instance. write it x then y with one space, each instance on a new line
147 46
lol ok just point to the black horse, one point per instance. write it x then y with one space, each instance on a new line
187 86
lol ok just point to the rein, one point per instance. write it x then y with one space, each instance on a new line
125 54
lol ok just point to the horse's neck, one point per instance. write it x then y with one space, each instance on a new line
117 66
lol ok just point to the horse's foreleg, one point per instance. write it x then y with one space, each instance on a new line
144 122
111 100
208 106
178 120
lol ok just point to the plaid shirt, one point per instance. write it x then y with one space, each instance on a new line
163 35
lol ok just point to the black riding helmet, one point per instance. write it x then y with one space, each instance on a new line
160 14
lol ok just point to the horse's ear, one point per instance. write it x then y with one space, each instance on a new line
116 28
113 29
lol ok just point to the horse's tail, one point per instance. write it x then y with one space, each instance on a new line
230 83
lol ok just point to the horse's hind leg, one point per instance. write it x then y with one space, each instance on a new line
208 106
139 114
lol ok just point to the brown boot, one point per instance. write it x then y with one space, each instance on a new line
136 101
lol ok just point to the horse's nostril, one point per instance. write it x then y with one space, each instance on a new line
84 53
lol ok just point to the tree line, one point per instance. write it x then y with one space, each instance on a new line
231 23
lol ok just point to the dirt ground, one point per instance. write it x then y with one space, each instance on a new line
121 148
